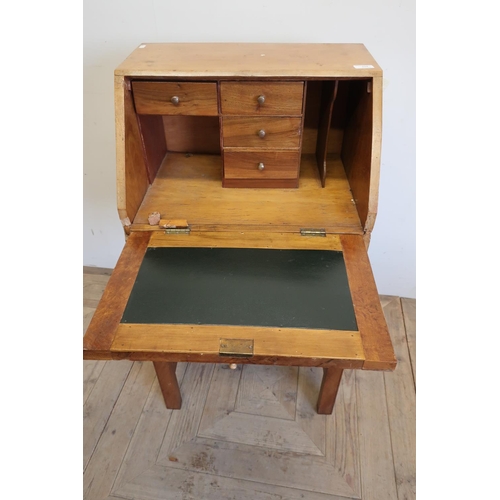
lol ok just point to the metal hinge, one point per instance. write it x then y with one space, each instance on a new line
313 232
236 348
176 230
175 226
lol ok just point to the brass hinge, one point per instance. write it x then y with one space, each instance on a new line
236 348
313 232
175 226
176 230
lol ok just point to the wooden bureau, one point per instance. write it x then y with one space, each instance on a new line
276 271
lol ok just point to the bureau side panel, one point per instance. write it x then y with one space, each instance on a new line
361 147
131 171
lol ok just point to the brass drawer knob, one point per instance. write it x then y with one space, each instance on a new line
261 166
262 134
174 100
261 99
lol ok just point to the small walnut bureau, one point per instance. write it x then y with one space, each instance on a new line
247 187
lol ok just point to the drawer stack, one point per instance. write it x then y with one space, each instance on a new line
261 133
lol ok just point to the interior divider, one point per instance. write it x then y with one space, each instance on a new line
328 96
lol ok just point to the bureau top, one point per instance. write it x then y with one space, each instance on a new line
250 60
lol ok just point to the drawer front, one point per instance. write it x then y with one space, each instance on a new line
261 165
175 98
261 132
261 98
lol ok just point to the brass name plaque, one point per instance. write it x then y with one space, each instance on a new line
237 348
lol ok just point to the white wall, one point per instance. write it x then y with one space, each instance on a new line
113 28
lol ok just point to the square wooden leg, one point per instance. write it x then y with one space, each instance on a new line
168 384
329 388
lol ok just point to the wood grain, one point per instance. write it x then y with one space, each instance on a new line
359 429
93 287
154 98
92 369
148 435
243 132
377 346
261 183
192 134
92 292
277 434
222 394
376 153
277 164
165 372
114 440
99 335
245 60
312 118
305 411
97 270
249 239
361 148
261 469
267 391
410 318
401 404
190 188
121 191
342 446
312 102
153 142
270 451
202 342
131 170
338 121
329 389
377 464
184 425
101 402
281 98
329 93
136 171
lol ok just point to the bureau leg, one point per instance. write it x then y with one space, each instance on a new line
168 384
329 388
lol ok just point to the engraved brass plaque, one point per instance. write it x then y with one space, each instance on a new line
237 348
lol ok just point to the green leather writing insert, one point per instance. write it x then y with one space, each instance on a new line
248 287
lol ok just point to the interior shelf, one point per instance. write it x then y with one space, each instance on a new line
188 187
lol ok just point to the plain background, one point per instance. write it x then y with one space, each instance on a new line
114 28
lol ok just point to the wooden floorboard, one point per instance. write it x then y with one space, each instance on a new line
107 458
100 403
104 271
377 478
410 319
250 433
91 372
400 395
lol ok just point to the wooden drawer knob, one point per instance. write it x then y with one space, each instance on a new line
261 133
261 166
261 99
174 100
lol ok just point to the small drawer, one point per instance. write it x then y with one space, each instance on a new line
175 98
261 132
262 98
261 165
